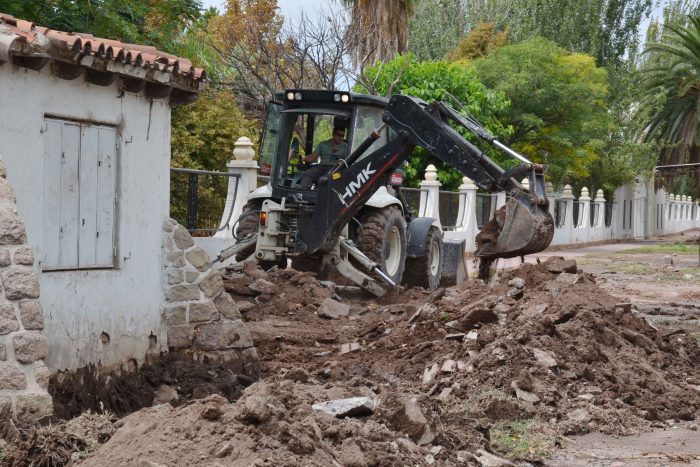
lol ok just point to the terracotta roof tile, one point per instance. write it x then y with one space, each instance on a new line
62 46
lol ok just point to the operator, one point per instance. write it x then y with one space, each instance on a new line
330 152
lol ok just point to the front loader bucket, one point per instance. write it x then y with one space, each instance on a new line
516 230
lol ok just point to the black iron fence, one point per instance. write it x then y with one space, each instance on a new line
485 204
560 213
198 198
412 198
449 208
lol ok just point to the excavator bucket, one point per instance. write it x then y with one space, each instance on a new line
523 226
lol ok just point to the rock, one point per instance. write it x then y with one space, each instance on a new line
42 375
444 395
688 277
501 308
668 260
430 373
417 425
5 258
486 459
499 354
333 309
297 374
8 320
478 316
175 314
227 307
263 286
29 347
455 337
3 353
472 336
245 307
164 394
224 450
578 415
12 378
557 265
182 237
350 347
212 408
191 276
544 359
351 407
180 336
24 256
20 284
175 276
202 311
198 258
253 270
516 282
588 397
626 307
448 366
535 310
11 227
182 293
211 284
524 395
219 336
516 294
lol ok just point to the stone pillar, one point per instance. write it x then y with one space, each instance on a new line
24 378
246 168
430 194
466 219
199 314
600 203
584 209
500 200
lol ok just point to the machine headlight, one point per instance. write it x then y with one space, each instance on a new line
345 98
290 96
297 96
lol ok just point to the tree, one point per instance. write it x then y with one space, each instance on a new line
479 42
265 57
455 84
159 23
435 28
671 94
378 30
558 110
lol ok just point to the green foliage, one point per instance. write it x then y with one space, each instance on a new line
479 42
203 135
453 83
153 22
665 248
558 110
671 94
435 28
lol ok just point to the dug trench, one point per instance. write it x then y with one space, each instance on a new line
467 375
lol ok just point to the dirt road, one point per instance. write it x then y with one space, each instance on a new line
521 368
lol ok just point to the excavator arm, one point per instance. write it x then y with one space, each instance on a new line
524 226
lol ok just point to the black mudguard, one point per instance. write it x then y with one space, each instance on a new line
416 235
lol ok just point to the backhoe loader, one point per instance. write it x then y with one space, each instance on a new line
345 219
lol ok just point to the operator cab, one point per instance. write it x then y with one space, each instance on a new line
299 122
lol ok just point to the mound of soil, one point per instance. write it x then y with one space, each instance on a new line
451 376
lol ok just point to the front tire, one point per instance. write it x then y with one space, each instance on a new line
383 239
426 271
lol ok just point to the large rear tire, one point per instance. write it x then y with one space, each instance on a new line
383 239
426 271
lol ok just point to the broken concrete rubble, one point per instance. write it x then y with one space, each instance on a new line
351 407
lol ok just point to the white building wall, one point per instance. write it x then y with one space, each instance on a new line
123 302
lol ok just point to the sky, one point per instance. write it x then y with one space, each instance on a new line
288 8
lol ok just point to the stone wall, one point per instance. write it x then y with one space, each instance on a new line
198 313
23 376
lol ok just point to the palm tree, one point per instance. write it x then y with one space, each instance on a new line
378 29
671 94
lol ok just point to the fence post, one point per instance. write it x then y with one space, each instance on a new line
568 227
551 198
243 165
430 195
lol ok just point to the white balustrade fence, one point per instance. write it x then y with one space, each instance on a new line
636 210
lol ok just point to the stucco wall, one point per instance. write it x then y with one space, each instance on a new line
123 302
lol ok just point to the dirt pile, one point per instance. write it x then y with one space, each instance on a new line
446 377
